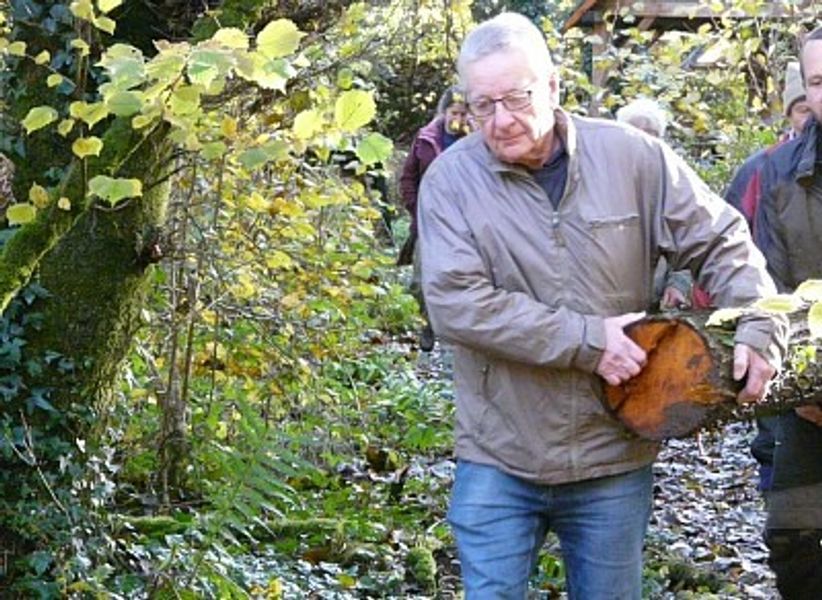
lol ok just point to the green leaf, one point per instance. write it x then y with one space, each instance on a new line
114 190
810 290
124 104
185 100
781 303
267 73
279 38
231 37
167 65
38 117
83 147
124 65
20 213
815 320
307 123
354 109
213 150
374 148
253 158
206 64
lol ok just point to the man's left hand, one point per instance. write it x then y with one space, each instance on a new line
749 361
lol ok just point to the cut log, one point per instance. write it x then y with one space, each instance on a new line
687 383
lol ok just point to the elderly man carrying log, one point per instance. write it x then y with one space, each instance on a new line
539 234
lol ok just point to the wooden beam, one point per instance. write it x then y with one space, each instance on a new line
701 10
583 8
646 23
693 10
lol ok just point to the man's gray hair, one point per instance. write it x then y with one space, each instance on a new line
503 33
645 114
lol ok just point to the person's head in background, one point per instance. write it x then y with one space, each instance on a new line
811 57
644 114
454 111
796 107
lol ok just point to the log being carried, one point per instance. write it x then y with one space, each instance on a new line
687 382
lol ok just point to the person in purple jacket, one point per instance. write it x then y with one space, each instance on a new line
450 123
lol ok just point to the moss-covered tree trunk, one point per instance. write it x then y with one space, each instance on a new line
59 353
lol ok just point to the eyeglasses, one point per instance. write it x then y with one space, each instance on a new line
483 107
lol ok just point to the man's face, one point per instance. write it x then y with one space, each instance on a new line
521 135
800 111
812 69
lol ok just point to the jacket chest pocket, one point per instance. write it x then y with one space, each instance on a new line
614 237
609 225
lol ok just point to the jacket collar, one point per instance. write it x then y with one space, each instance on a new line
563 126
808 147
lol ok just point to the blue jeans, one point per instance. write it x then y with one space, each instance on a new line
500 523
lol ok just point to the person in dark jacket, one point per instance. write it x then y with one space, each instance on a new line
449 124
745 189
791 214
744 193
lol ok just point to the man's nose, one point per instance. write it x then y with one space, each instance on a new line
502 116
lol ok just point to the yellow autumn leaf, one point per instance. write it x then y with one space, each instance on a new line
278 260
291 301
65 127
38 196
780 303
54 80
231 37
42 58
90 146
105 24
810 290
20 213
307 123
17 48
107 6
228 127
724 315
64 203
815 320
140 121
81 46
82 9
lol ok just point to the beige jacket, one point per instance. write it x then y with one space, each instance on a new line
522 289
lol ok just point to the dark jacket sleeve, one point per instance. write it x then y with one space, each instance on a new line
776 253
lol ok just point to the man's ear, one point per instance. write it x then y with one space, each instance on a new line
553 86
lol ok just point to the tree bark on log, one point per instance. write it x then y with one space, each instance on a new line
688 384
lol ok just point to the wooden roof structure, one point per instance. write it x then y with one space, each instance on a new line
684 14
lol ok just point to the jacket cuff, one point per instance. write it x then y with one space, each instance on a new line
766 335
592 345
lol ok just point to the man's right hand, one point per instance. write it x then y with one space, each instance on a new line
622 358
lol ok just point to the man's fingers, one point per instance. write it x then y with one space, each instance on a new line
741 360
629 318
